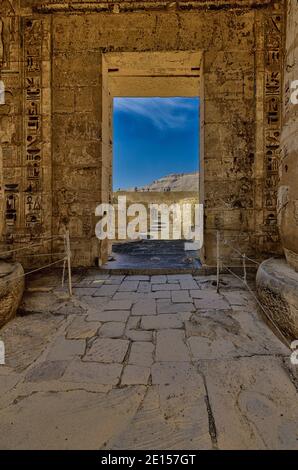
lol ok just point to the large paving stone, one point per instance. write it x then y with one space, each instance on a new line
144 287
47 370
181 296
65 349
170 346
170 417
210 299
128 286
119 305
159 322
108 315
159 279
8 380
27 337
68 420
164 287
139 335
135 375
107 350
254 403
217 333
166 373
81 329
93 372
144 307
141 353
165 306
113 329
188 284
106 290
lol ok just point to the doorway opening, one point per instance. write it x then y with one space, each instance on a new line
152 120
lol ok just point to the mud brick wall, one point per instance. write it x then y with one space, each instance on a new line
241 104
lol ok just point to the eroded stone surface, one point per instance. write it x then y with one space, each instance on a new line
212 377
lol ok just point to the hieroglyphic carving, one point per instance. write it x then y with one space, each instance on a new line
7 29
272 124
33 123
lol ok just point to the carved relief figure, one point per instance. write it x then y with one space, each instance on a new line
6 29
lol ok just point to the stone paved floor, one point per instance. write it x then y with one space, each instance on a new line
144 363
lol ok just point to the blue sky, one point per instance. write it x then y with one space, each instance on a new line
154 137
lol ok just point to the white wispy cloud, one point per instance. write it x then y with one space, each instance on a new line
163 113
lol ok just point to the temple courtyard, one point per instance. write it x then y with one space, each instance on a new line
144 362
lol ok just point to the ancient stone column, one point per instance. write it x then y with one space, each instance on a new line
288 188
277 279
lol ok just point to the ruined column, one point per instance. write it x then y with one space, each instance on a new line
277 279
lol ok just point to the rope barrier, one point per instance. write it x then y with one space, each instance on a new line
220 265
29 246
66 259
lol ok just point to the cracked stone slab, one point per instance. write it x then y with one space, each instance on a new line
45 371
86 372
112 329
217 333
64 349
170 346
165 373
26 338
81 329
106 316
107 350
209 299
8 380
254 403
170 417
133 322
135 375
159 322
165 306
238 298
68 419
141 353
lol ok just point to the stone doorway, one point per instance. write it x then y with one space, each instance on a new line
146 74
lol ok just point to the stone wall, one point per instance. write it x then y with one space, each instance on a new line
288 190
53 161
